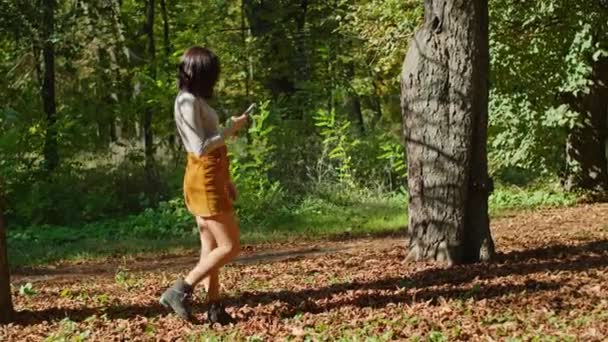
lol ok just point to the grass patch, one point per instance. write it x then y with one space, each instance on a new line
170 227
509 198
328 214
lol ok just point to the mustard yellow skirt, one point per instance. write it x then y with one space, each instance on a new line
206 183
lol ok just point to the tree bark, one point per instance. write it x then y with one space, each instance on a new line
445 110
167 40
376 102
244 29
586 146
353 102
51 154
148 112
6 304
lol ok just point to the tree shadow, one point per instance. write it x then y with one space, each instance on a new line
555 258
391 232
454 282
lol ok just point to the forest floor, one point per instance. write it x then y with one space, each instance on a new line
549 282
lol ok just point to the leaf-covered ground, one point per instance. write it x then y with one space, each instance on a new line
550 282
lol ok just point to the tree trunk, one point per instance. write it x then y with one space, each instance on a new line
586 146
6 304
445 110
148 112
167 40
376 101
353 102
51 156
246 50
168 48
262 17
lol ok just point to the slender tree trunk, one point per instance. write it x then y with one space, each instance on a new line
167 40
354 108
6 304
171 139
148 112
445 110
36 55
586 146
353 102
51 154
245 48
376 102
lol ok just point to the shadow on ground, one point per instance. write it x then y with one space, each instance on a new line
555 258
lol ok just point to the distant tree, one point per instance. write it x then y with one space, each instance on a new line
6 304
445 84
51 154
586 145
550 89
149 111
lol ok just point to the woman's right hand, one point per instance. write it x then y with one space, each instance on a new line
237 122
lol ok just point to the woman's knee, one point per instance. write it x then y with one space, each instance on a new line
231 249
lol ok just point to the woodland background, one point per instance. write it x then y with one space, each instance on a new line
88 147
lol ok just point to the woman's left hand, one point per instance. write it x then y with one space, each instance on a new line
232 192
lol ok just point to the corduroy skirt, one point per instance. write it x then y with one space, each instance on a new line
206 183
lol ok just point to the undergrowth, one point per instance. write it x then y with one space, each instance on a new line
327 212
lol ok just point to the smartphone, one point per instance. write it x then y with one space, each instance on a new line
250 109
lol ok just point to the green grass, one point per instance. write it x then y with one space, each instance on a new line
509 198
329 214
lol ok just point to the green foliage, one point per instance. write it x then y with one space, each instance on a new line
335 161
507 198
325 212
436 336
251 163
68 331
27 290
383 28
540 50
308 159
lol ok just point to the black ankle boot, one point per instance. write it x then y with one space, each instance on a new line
217 314
177 297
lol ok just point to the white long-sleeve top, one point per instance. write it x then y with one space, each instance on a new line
197 124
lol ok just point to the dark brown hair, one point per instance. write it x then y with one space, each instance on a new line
199 70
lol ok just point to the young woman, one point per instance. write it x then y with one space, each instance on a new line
208 190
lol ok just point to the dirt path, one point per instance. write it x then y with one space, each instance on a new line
525 228
268 253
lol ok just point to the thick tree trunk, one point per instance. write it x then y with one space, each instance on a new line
586 146
6 304
445 109
51 155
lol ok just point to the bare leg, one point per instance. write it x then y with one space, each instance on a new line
208 243
221 231
225 231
